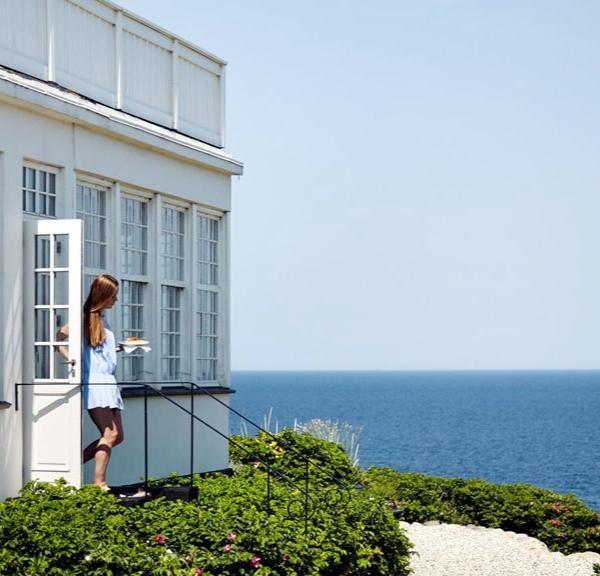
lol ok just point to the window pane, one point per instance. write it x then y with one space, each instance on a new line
61 251
52 183
39 192
170 332
134 236
31 178
42 288
42 326
91 202
61 368
61 288
61 318
42 361
42 251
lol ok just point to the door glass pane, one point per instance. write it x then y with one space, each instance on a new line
61 288
61 318
42 325
42 288
61 251
42 361
61 368
42 251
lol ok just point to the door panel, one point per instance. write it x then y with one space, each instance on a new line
52 403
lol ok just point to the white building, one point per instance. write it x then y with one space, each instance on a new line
111 160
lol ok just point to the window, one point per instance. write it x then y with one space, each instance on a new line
39 191
92 209
207 313
172 274
134 267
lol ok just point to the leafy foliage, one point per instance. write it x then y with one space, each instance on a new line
231 528
564 523
287 452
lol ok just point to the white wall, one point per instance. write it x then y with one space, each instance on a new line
169 439
10 316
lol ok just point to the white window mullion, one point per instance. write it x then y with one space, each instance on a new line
154 273
115 247
193 295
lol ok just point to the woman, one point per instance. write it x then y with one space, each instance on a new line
101 395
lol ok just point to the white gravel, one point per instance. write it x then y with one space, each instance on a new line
452 550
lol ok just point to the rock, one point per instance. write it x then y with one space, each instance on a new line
589 555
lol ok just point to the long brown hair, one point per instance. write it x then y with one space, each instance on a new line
102 292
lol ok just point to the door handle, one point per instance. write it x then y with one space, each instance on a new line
71 362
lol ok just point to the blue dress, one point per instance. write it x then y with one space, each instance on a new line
99 366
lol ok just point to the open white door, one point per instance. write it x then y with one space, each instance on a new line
52 404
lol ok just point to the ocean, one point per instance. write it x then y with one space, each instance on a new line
541 428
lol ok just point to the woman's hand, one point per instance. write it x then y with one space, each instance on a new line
63 334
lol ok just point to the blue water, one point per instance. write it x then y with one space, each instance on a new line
540 428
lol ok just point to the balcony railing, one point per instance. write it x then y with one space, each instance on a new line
109 55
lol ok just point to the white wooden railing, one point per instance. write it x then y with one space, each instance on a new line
119 59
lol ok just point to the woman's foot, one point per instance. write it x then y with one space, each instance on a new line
141 493
103 486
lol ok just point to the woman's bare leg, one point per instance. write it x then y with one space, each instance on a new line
109 424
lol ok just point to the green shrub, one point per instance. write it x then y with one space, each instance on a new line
54 529
564 523
328 459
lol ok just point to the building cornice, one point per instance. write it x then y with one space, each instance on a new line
52 100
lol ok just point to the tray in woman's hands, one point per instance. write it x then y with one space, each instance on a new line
130 344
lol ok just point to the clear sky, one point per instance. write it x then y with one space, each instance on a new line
422 186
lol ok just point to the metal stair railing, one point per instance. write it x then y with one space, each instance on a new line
307 504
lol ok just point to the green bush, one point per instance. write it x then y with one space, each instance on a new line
54 529
564 523
327 459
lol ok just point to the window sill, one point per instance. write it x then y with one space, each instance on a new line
132 391
4 405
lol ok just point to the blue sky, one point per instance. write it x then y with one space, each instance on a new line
422 186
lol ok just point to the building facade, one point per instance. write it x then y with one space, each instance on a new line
112 160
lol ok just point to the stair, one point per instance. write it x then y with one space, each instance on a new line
134 494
